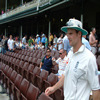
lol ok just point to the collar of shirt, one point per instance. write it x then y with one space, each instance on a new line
81 49
47 57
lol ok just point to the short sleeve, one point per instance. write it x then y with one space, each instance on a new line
57 61
42 60
92 74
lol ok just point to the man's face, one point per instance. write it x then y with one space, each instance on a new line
3 37
26 37
62 53
94 31
10 36
61 35
30 37
73 37
48 53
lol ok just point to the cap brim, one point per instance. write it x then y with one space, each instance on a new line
64 29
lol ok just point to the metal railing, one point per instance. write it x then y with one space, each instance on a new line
29 5
22 8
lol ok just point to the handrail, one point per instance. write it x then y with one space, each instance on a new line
29 5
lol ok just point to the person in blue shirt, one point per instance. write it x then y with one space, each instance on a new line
43 39
67 46
38 39
54 46
46 63
86 43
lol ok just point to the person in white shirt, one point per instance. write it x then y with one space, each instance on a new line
24 42
61 61
81 73
10 44
55 39
60 41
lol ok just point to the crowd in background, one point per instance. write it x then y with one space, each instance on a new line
42 42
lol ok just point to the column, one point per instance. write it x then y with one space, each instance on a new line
82 11
5 5
82 18
22 2
21 31
49 29
38 4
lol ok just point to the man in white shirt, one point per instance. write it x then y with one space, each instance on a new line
61 61
60 41
24 42
10 44
81 73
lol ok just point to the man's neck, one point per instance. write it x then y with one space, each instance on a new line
92 33
48 56
76 48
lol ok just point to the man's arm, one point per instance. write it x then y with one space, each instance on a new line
52 89
91 41
96 94
41 64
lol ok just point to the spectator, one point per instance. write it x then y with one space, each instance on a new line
31 47
30 41
33 40
54 46
3 45
46 42
81 73
6 44
61 61
55 39
51 39
20 44
46 62
43 39
86 43
67 46
24 42
60 42
10 44
38 39
50 46
36 46
92 40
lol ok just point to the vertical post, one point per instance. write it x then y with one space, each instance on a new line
22 2
38 4
21 31
82 12
5 5
5 32
49 29
82 18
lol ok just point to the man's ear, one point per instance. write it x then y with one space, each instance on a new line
80 34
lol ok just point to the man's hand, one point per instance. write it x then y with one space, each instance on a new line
96 41
49 91
53 59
